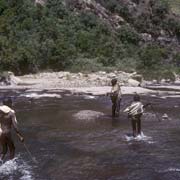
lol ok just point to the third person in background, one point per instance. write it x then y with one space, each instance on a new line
115 96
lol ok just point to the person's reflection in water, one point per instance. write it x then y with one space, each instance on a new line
115 122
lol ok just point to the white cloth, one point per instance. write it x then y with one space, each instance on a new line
134 109
9 113
5 109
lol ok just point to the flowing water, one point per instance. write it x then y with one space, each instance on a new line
96 147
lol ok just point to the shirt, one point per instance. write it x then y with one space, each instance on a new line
134 109
116 90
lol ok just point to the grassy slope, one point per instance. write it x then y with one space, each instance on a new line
175 4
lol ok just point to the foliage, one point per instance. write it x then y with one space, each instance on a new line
128 35
164 72
35 37
151 57
152 63
176 59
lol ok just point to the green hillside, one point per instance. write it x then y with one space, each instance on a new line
83 36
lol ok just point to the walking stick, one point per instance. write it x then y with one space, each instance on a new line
33 158
155 113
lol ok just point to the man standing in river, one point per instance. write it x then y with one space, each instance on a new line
7 121
115 95
135 111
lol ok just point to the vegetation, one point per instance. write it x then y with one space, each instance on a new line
35 37
175 6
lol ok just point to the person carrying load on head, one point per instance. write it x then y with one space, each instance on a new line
135 111
7 122
115 96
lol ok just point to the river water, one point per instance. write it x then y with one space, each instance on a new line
96 148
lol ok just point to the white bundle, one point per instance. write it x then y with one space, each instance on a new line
134 109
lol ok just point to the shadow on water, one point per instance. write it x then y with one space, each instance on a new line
96 147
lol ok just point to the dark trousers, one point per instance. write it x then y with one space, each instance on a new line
116 103
7 143
136 124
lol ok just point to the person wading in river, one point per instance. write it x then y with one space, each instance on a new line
115 96
7 121
135 111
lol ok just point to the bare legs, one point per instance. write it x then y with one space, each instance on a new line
7 143
116 106
136 125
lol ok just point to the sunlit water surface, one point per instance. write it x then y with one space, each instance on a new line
99 148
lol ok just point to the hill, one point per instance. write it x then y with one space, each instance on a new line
89 35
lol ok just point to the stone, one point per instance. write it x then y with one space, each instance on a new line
146 37
41 2
165 117
5 79
111 75
102 72
134 83
136 77
80 75
163 81
87 115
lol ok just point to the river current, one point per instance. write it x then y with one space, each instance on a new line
72 145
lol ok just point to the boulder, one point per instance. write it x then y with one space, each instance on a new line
165 117
111 75
154 81
15 80
41 2
87 115
136 77
134 83
163 81
5 79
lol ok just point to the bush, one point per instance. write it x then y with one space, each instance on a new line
88 19
164 72
34 38
176 60
86 65
161 8
128 35
151 57
127 64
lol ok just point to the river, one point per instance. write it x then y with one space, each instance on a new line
99 148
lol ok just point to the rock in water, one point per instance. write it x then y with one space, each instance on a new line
165 117
88 115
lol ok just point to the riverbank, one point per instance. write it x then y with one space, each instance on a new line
98 83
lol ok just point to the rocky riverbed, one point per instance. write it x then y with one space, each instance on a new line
97 83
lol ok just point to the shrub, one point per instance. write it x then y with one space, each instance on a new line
151 57
128 35
164 72
86 65
176 60
88 19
